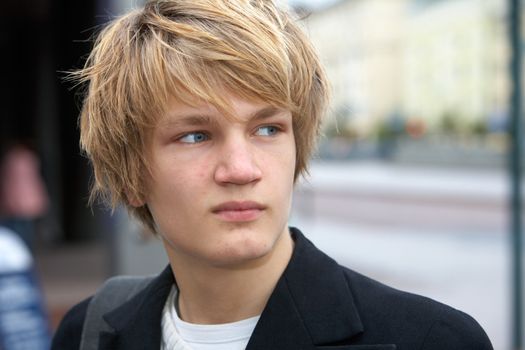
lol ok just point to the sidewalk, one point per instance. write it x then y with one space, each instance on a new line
391 179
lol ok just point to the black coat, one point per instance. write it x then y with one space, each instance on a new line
316 304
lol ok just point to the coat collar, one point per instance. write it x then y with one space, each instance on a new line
311 304
310 307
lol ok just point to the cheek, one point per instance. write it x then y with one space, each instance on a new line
203 172
281 168
191 186
283 152
288 158
185 172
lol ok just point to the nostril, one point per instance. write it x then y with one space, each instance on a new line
237 173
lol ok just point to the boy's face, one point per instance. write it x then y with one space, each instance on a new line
221 189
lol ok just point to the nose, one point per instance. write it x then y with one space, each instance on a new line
237 165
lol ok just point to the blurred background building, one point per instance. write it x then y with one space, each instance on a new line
410 185
401 70
363 59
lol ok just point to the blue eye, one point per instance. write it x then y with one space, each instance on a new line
267 130
194 137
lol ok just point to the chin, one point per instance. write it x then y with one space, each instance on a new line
242 251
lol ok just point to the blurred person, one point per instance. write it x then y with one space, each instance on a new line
23 320
199 117
23 196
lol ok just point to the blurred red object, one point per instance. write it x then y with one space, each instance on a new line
416 128
22 190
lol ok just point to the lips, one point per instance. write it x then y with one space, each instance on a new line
239 211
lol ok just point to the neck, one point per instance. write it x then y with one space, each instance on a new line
224 294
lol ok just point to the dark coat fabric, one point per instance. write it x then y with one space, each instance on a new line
316 304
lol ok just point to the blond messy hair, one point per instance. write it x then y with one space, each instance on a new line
190 50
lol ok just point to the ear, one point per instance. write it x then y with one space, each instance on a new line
134 201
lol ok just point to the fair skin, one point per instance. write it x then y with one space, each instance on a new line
220 194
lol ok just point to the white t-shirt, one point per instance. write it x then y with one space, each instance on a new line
180 335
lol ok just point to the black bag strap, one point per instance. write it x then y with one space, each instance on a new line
113 293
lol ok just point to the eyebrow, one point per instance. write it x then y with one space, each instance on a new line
265 113
206 119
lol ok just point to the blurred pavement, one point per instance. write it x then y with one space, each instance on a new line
70 273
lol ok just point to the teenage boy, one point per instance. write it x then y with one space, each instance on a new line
199 116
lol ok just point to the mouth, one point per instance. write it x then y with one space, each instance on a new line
243 211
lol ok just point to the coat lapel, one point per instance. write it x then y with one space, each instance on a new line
137 323
311 307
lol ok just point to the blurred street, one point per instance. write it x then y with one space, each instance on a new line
441 233
70 273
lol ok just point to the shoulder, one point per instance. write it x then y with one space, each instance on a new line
454 329
69 331
413 319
